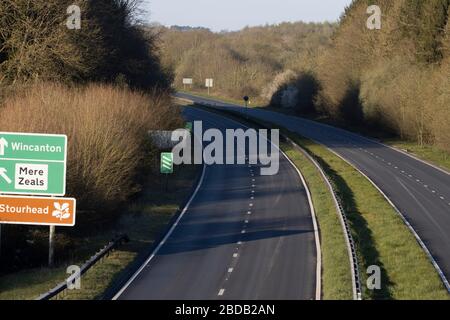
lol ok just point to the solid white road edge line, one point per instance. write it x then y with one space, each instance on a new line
121 291
316 232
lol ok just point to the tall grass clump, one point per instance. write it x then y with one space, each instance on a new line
107 134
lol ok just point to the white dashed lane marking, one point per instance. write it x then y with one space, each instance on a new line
221 292
405 173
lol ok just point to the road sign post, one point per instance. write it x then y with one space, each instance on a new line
209 83
51 247
187 81
246 100
166 163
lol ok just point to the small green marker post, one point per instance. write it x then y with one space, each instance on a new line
167 165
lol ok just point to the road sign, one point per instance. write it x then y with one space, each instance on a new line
37 211
166 162
209 83
188 81
33 164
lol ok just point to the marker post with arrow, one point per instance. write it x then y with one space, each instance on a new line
166 166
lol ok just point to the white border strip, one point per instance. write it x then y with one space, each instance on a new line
316 232
313 212
155 252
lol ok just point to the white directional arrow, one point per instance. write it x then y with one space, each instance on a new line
3 172
3 144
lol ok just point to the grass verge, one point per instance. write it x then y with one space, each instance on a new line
147 217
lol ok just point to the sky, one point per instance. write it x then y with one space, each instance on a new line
233 15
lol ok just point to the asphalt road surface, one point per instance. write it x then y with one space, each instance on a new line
420 191
244 236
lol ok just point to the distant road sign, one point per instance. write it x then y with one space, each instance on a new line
33 164
166 162
209 83
37 211
188 81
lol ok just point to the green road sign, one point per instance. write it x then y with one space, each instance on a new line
33 164
166 162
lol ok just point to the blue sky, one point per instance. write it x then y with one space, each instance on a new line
236 14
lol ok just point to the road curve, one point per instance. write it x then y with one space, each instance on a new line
421 192
243 237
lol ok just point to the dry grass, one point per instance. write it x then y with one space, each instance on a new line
107 130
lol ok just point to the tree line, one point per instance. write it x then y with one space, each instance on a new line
104 87
111 46
394 80
253 61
